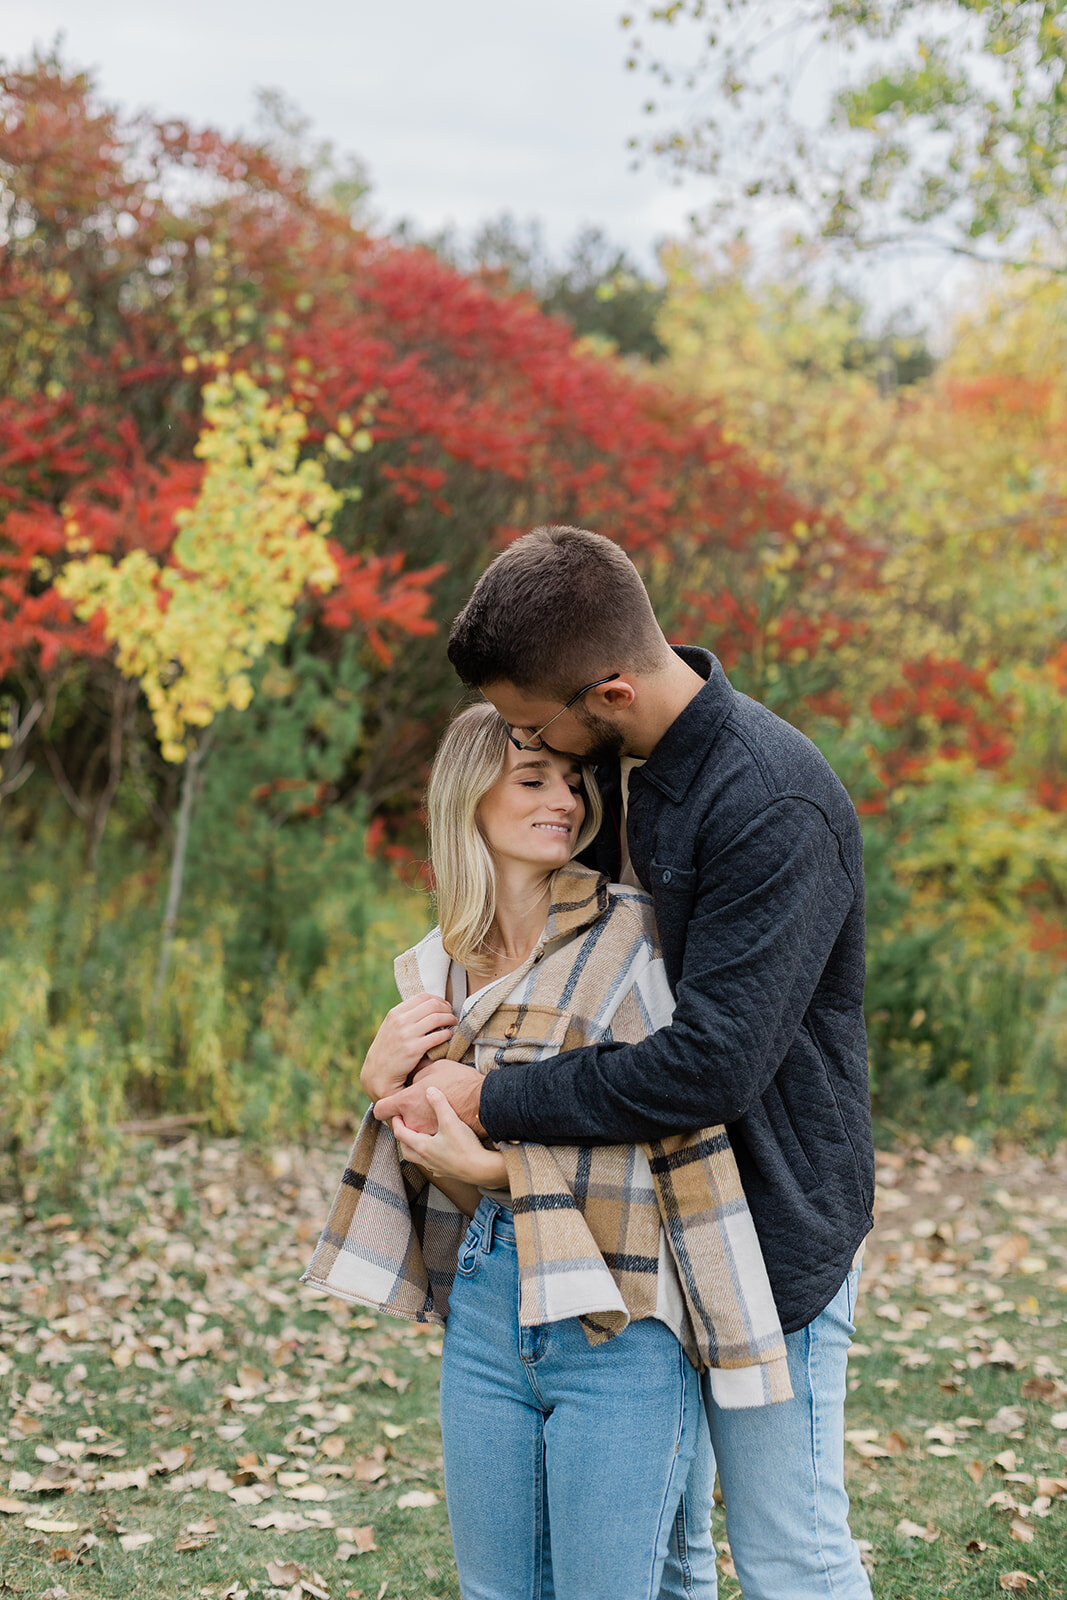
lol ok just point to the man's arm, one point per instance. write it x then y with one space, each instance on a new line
767 911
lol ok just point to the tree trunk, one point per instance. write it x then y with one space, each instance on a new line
193 763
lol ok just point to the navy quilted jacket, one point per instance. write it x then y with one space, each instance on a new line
751 849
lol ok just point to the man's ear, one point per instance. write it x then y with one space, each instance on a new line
613 697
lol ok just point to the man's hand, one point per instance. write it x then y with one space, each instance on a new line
408 1031
461 1086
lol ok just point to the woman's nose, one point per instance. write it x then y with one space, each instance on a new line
563 798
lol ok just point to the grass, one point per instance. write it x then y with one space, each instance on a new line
161 1328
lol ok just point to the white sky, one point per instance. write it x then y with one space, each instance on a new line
460 111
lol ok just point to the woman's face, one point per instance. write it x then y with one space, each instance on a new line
535 810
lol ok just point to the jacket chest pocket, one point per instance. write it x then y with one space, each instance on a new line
515 1035
671 880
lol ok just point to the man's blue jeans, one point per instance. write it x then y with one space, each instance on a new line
782 1476
553 1443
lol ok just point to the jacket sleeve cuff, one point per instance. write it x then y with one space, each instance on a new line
500 1107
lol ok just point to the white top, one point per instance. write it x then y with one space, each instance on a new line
627 764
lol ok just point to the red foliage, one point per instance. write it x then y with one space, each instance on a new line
945 709
994 393
485 416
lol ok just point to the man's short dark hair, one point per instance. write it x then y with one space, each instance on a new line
558 608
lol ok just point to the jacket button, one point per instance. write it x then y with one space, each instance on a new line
509 1033
667 876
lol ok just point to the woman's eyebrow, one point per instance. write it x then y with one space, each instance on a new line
519 765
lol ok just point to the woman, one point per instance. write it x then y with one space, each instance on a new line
583 1288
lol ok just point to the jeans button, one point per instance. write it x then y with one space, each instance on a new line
667 876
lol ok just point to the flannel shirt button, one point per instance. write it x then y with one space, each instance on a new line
667 875
514 1141
509 1033
539 955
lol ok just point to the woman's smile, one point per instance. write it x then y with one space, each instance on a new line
539 791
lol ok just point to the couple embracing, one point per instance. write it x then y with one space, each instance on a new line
620 1145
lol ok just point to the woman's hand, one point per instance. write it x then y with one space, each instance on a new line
454 1151
409 1030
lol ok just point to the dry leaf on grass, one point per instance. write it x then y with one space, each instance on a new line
280 1572
914 1530
1016 1580
416 1498
356 1542
134 1541
47 1525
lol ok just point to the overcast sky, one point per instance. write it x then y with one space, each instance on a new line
460 110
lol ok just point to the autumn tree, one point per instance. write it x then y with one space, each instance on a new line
946 124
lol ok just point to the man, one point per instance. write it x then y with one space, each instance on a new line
751 851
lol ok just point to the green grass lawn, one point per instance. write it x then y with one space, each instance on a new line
180 1419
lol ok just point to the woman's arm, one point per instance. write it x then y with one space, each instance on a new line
407 1032
464 1195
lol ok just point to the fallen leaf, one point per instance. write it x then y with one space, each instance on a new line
914 1530
47 1525
975 1470
11 1508
360 1545
1016 1580
1021 1530
251 1494
284 1572
1012 1250
284 1521
134 1541
416 1497
307 1491
1007 1419
1041 1389
333 1446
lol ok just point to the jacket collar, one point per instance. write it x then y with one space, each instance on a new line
683 749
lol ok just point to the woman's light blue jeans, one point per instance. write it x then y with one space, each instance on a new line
782 1475
555 1445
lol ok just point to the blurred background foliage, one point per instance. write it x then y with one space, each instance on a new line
870 534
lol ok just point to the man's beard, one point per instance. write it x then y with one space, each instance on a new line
607 741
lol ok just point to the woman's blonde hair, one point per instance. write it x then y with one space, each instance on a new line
469 760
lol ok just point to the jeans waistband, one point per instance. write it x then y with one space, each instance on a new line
493 1221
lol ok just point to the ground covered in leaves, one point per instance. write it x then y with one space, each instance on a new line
180 1419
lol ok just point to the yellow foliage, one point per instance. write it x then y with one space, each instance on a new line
961 477
256 538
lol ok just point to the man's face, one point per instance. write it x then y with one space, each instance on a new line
577 732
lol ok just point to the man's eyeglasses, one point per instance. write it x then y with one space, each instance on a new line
535 742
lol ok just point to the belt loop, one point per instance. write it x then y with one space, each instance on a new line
490 1222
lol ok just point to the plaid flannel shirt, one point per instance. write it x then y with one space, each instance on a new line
609 1234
